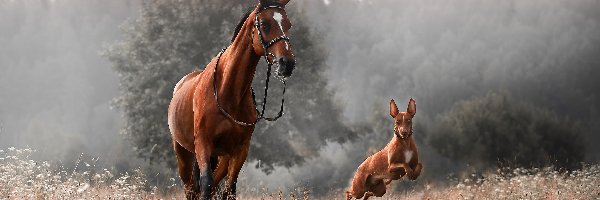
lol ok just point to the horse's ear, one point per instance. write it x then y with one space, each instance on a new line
412 107
393 109
284 2
263 2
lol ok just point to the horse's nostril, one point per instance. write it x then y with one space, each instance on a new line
286 66
286 61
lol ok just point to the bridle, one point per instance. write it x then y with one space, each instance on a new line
260 114
262 40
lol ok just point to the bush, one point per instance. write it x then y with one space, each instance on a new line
493 130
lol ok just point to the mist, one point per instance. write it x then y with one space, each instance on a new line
544 53
55 87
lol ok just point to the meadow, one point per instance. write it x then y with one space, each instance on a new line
23 178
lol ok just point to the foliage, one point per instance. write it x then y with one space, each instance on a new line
493 129
172 38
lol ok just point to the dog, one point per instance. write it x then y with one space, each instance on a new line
399 158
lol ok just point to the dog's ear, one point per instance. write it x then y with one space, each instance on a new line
393 109
412 107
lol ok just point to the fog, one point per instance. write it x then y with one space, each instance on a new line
56 89
544 53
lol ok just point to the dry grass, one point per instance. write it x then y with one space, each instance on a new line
22 178
518 184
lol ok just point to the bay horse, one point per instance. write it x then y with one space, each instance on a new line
213 112
397 159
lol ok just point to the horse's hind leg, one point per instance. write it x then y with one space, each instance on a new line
185 162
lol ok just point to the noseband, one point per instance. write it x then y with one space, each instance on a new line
262 40
260 114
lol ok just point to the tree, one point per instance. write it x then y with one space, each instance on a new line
172 38
493 130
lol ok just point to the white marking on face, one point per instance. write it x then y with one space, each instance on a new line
407 155
278 17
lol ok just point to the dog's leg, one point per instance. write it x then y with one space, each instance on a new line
348 195
387 182
399 169
368 194
416 172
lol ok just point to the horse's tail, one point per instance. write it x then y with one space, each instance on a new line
196 177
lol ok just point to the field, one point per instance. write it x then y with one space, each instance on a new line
22 178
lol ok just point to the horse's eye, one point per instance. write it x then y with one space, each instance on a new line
265 26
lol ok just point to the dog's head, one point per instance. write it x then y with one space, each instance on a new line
403 120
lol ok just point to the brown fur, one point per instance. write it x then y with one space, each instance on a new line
397 159
200 131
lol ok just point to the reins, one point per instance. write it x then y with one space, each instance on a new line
260 114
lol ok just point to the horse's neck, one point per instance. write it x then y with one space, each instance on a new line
237 67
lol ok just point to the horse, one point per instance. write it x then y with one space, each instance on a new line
397 159
212 113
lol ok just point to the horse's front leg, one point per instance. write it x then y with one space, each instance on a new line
235 166
205 180
220 172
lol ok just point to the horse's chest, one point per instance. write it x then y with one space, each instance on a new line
231 138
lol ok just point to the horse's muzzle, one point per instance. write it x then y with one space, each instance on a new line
286 66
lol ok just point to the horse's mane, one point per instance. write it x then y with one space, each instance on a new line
240 24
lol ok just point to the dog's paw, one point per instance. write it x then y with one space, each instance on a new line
416 172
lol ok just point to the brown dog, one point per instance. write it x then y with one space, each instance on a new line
397 159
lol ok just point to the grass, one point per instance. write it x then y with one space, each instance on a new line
519 183
23 178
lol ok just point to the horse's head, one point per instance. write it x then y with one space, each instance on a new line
403 120
270 35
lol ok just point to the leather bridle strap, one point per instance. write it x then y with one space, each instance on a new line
260 114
